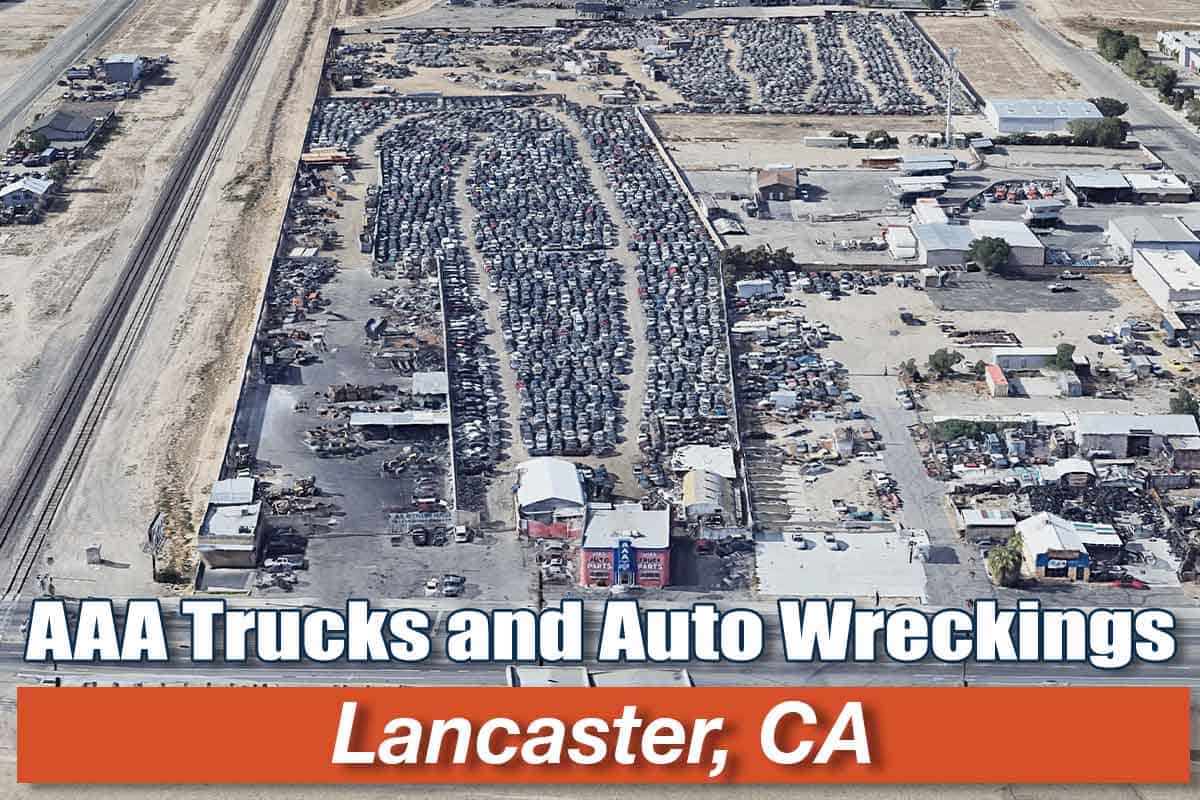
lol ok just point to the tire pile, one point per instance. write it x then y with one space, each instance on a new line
543 230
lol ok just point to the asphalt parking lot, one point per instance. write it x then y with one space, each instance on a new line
980 292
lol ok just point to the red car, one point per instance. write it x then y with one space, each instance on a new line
1130 582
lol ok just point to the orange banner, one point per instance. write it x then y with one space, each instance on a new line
603 735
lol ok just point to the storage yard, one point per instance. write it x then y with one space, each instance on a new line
691 304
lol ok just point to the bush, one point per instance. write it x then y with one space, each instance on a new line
1113 44
1164 79
941 362
1135 64
1064 356
880 138
990 253
1109 106
1107 132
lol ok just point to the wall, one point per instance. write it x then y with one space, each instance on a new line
653 567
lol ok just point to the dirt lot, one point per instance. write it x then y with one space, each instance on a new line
998 59
710 141
1080 20
28 27
163 436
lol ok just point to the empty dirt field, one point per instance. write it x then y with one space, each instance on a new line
999 60
1080 20
28 27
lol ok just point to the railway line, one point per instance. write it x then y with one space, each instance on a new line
73 414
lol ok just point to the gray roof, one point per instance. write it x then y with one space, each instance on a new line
1153 229
232 492
1098 179
940 236
1036 108
1161 424
122 58
65 121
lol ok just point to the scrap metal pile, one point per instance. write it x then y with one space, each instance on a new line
364 58
618 36
687 392
419 158
701 73
542 229
777 56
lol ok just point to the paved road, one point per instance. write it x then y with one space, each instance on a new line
770 669
1153 123
952 576
52 61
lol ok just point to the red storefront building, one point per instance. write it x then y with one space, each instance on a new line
626 545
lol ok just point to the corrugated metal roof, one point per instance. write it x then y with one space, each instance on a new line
937 236
1160 424
1038 108
544 479
430 383
1017 234
1152 229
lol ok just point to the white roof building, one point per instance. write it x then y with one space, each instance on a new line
1161 186
646 530
430 383
549 486
704 457
942 245
1026 249
1126 234
1031 115
1169 277
1046 532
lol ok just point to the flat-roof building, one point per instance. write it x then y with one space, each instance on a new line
1097 186
1130 435
777 184
1035 115
232 533
1025 248
1057 548
979 524
1158 187
626 545
942 245
1151 233
1169 277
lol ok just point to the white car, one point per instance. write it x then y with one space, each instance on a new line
432 589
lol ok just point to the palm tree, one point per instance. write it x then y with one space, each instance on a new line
1004 562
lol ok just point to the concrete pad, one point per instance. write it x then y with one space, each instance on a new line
865 562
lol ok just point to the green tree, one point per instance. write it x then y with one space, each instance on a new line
57 171
1110 106
1064 356
941 362
908 369
935 4
1004 561
1184 403
979 368
1134 64
37 142
1192 110
1164 79
1113 44
1107 132
990 253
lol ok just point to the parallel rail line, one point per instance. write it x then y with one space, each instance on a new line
92 370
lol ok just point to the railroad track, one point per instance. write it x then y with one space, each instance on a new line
71 419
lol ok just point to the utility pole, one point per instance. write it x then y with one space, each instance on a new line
951 82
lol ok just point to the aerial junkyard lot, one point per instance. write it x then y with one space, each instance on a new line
531 280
